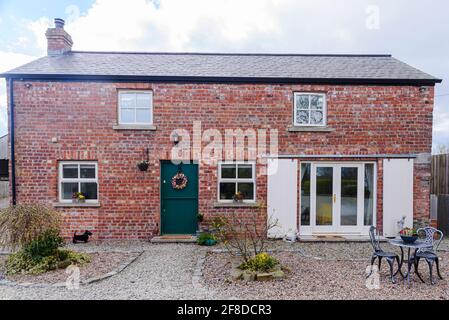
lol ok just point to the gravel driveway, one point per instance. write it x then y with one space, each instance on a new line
169 271
162 272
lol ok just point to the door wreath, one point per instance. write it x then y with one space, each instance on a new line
179 181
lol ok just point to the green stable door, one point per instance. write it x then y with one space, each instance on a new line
179 207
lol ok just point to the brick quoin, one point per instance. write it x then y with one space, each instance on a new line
368 119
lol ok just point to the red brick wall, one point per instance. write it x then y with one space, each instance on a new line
366 119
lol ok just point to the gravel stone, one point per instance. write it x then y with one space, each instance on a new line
163 271
188 271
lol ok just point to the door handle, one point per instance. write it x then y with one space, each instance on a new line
335 197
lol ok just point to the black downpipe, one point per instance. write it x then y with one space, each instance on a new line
11 128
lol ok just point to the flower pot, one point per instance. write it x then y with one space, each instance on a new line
210 242
409 239
143 166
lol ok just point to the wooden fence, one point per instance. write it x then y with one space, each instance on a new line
440 191
440 174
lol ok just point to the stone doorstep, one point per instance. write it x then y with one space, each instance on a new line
174 239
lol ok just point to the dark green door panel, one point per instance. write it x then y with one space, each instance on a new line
179 207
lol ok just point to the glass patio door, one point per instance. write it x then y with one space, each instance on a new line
337 198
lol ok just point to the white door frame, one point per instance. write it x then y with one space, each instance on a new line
336 228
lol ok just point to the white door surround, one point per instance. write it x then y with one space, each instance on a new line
337 199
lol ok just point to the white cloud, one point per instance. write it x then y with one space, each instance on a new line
38 28
142 25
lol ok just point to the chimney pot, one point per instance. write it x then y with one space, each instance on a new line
59 23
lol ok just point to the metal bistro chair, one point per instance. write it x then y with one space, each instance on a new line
380 254
429 253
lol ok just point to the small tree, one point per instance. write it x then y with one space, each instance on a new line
243 235
22 224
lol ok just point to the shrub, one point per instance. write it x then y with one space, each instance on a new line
45 245
22 224
21 262
242 235
204 237
261 262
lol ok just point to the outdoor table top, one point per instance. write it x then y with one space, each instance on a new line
418 244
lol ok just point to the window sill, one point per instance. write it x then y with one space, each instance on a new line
149 127
75 205
309 129
236 205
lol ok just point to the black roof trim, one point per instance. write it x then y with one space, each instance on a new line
124 78
236 54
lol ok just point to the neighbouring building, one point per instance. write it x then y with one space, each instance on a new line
353 136
4 172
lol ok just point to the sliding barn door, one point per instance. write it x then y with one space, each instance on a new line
397 195
282 196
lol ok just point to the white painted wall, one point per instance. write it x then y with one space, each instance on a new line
282 197
397 194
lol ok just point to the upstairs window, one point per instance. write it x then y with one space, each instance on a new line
135 107
309 109
78 177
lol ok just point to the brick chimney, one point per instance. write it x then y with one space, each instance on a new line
58 40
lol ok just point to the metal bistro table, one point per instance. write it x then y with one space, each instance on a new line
401 244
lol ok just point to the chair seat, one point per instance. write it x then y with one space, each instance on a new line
386 254
426 255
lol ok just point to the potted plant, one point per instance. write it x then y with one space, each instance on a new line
206 239
78 197
408 235
238 197
143 165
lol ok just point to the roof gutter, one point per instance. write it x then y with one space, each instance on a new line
12 139
211 79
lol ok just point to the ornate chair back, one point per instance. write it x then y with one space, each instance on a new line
432 237
374 239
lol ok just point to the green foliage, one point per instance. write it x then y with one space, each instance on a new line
45 245
74 257
21 262
261 262
200 217
43 254
22 224
204 237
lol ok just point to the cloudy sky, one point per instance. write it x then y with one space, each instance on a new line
412 31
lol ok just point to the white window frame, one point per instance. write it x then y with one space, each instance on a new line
120 92
237 180
295 94
77 180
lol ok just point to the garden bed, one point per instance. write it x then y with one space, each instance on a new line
318 278
101 264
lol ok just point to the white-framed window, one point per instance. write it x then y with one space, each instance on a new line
135 107
309 109
78 176
236 177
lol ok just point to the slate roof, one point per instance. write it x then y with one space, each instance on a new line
225 67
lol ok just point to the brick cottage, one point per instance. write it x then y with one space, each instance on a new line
353 135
